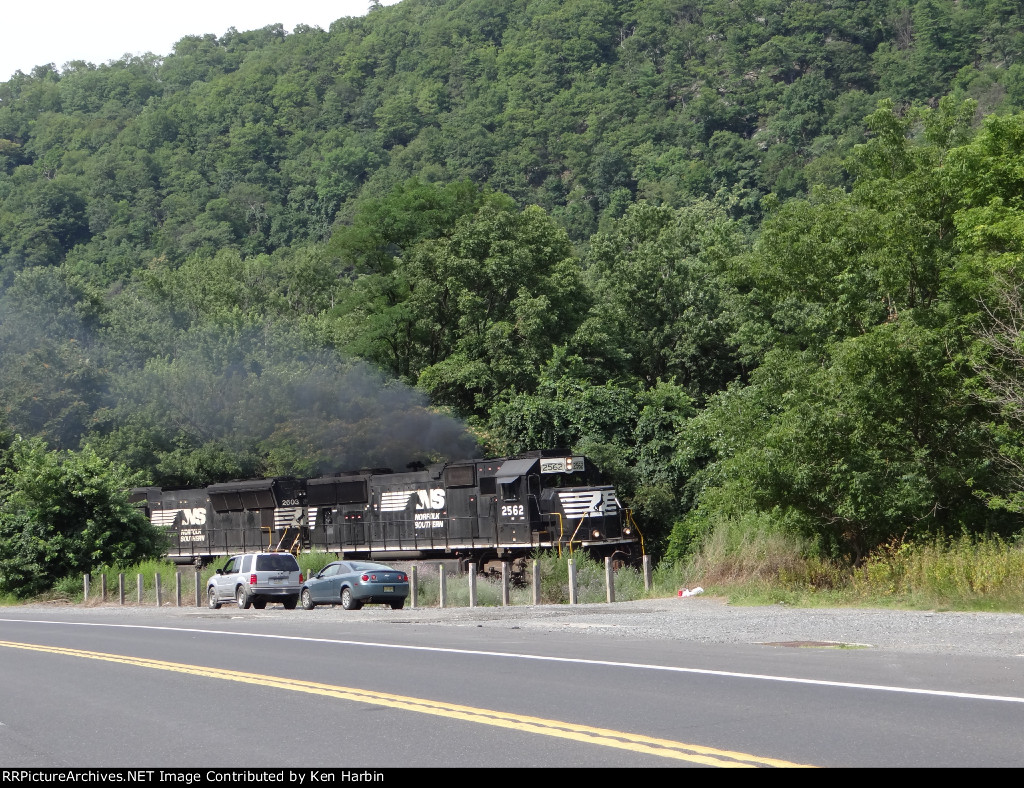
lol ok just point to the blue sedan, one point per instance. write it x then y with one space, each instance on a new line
352 584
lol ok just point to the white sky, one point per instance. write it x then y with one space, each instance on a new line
59 31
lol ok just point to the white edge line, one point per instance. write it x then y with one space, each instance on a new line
542 658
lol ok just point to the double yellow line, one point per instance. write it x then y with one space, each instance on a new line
604 737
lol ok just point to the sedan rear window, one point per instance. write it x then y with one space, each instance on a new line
285 562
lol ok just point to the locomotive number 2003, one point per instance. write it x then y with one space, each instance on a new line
512 510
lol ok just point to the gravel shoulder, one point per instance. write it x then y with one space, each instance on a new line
702 619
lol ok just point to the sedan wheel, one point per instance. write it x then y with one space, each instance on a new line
211 599
242 598
307 600
347 601
398 605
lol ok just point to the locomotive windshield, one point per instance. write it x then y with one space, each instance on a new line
565 479
510 488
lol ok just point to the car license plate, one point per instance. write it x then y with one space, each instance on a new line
389 589
277 581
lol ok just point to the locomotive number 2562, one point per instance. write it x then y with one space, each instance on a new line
512 510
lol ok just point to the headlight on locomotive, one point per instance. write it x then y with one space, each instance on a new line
596 533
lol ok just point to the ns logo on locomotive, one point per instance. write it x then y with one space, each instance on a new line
473 510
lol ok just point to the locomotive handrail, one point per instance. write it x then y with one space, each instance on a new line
629 517
532 498
561 531
573 537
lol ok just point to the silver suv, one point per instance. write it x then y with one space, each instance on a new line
255 579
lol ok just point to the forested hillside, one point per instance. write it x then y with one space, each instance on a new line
760 259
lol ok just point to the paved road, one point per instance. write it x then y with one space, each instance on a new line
653 683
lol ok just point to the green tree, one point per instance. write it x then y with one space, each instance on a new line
471 313
877 439
489 305
859 425
986 177
412 212
64 513
662 292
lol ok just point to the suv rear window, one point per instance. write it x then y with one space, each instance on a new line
285 562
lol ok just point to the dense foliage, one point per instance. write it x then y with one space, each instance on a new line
760 259
64 513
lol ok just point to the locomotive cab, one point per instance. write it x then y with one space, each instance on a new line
514 504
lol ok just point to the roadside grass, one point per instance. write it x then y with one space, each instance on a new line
554 584
142 576
965 573
955 573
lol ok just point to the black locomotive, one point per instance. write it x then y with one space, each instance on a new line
471 510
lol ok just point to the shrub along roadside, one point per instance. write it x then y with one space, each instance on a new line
63 512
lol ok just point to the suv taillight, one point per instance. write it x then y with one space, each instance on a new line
252 579
301 578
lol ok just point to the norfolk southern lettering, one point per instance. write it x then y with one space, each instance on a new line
499 509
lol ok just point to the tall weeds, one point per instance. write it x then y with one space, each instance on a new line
964 572
554 584
758 566
140 576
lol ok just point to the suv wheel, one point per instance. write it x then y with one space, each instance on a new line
307 600
289 602
242 598
211 599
